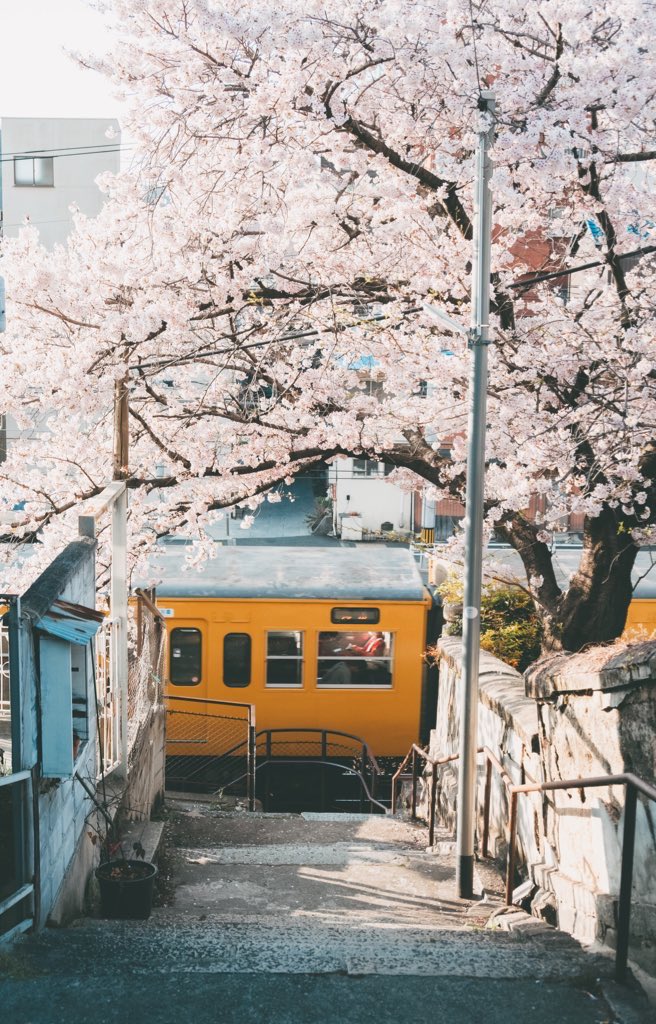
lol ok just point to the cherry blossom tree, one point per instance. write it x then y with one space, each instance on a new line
301 188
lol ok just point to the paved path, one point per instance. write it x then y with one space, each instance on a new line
286 919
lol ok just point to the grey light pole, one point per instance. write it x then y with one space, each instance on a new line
479 340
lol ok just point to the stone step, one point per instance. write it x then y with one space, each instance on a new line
148 834
295 946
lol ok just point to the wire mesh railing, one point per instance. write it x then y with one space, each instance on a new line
147 635
210 746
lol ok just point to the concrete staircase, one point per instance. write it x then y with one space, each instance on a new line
296 919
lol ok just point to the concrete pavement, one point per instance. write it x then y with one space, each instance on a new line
304 919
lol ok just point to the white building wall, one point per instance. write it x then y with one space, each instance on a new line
371 500
80 151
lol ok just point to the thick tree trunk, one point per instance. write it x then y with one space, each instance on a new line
594 607
591 608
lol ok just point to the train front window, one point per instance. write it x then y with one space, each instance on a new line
355 659
284 654
186 655
236 659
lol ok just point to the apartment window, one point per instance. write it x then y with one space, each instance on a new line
186 655
355 660
34 171
284 658
374 388
445 527
236 659
365 467
562 290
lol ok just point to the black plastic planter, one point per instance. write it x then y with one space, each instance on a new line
126 888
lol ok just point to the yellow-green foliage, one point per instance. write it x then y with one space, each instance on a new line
509 625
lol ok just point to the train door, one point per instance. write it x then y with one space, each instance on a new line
189 669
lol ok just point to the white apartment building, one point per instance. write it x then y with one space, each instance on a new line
46 165
365 502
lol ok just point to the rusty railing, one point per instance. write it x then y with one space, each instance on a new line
415 753
633 784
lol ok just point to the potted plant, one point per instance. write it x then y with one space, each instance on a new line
126 883
126 886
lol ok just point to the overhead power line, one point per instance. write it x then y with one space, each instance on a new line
55 150
552 274
43 155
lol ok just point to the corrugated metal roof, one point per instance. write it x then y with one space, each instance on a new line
72 622
339 574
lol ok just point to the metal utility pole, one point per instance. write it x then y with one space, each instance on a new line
119 576
479 340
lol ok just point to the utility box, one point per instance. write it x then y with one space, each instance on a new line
351 527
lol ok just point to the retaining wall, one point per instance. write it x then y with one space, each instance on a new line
574 716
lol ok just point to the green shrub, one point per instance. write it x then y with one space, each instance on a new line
509 626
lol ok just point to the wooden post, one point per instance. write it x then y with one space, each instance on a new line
119 582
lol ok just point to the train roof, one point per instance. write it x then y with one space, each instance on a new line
335 574
566 561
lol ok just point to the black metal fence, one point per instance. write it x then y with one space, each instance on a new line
317 769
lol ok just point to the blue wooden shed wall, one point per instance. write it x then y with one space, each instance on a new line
63 804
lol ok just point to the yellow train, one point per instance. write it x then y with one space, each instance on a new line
325 637
316 638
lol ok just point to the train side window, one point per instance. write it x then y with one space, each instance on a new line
355 659
236 659
186 656
284 658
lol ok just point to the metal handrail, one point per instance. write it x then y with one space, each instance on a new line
212 700
435 762
329 764
634 785
25 823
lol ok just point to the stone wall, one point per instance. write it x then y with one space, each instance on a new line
573 717
597 716
507 724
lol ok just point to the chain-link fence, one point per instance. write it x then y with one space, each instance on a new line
5 695
147 644
210 746
108 698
